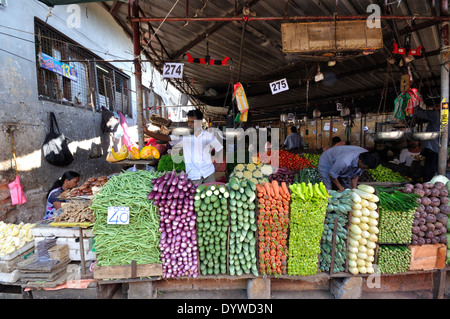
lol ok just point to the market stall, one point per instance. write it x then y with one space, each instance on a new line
265 223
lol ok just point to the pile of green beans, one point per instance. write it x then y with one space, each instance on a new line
393 259
138 240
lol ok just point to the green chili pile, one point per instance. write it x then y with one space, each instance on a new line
117 244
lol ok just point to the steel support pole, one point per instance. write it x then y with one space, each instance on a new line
138 73
445 50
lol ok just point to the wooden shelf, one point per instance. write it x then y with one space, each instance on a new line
137 162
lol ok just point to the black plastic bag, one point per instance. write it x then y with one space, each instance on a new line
55 147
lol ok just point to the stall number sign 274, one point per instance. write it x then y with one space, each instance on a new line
279 86
118 215
173 70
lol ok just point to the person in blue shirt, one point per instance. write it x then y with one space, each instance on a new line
293 141
67 181
341 166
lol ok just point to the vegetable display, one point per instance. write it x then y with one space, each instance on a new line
430 217
363 230
273 223
120 244
385 174
239 157
166 164
283 175
256 173
306 226
393 259
174 195
447 261
312 158
308 175
242 245
292 161
14 236
339 204
212 228
286 159
396 218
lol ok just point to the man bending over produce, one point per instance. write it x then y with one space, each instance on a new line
197 148
341 166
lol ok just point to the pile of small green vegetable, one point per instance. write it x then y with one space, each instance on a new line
166 164
385 174
306 228
396 216
393 259
313 158
138 240
308 175
242 249
339 204
210 203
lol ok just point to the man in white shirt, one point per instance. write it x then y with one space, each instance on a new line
196 148
408 154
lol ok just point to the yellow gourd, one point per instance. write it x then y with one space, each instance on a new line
110 158
149 152
121 155
155 153
146 152
133 154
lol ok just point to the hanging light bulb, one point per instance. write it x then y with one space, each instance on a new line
305 118
316 113
345 111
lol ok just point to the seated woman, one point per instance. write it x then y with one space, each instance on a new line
69 180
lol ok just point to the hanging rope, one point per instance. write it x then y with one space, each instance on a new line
162 22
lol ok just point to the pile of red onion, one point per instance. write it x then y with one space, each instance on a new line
174 195
430 218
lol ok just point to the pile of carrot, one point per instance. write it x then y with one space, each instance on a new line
273 221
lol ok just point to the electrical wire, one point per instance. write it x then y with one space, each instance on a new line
170 11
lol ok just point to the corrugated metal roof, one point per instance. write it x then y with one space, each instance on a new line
355 80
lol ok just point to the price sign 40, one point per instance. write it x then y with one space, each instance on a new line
118 215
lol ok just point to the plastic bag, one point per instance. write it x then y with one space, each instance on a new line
17 194
126 136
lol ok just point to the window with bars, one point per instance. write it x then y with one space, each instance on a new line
98 84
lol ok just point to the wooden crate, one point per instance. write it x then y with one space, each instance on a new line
330 35
128 271
427 257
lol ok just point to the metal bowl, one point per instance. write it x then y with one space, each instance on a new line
424 136
388 136
182 131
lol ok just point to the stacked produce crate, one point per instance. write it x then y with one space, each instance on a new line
363 231
396 221
333 255
308 209
273 224
212 228
242 242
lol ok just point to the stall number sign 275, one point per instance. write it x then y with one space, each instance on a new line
173 70
279 86
118 215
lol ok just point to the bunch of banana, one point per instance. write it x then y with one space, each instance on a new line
14 236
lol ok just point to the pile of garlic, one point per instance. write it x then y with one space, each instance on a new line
363 230
14 236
